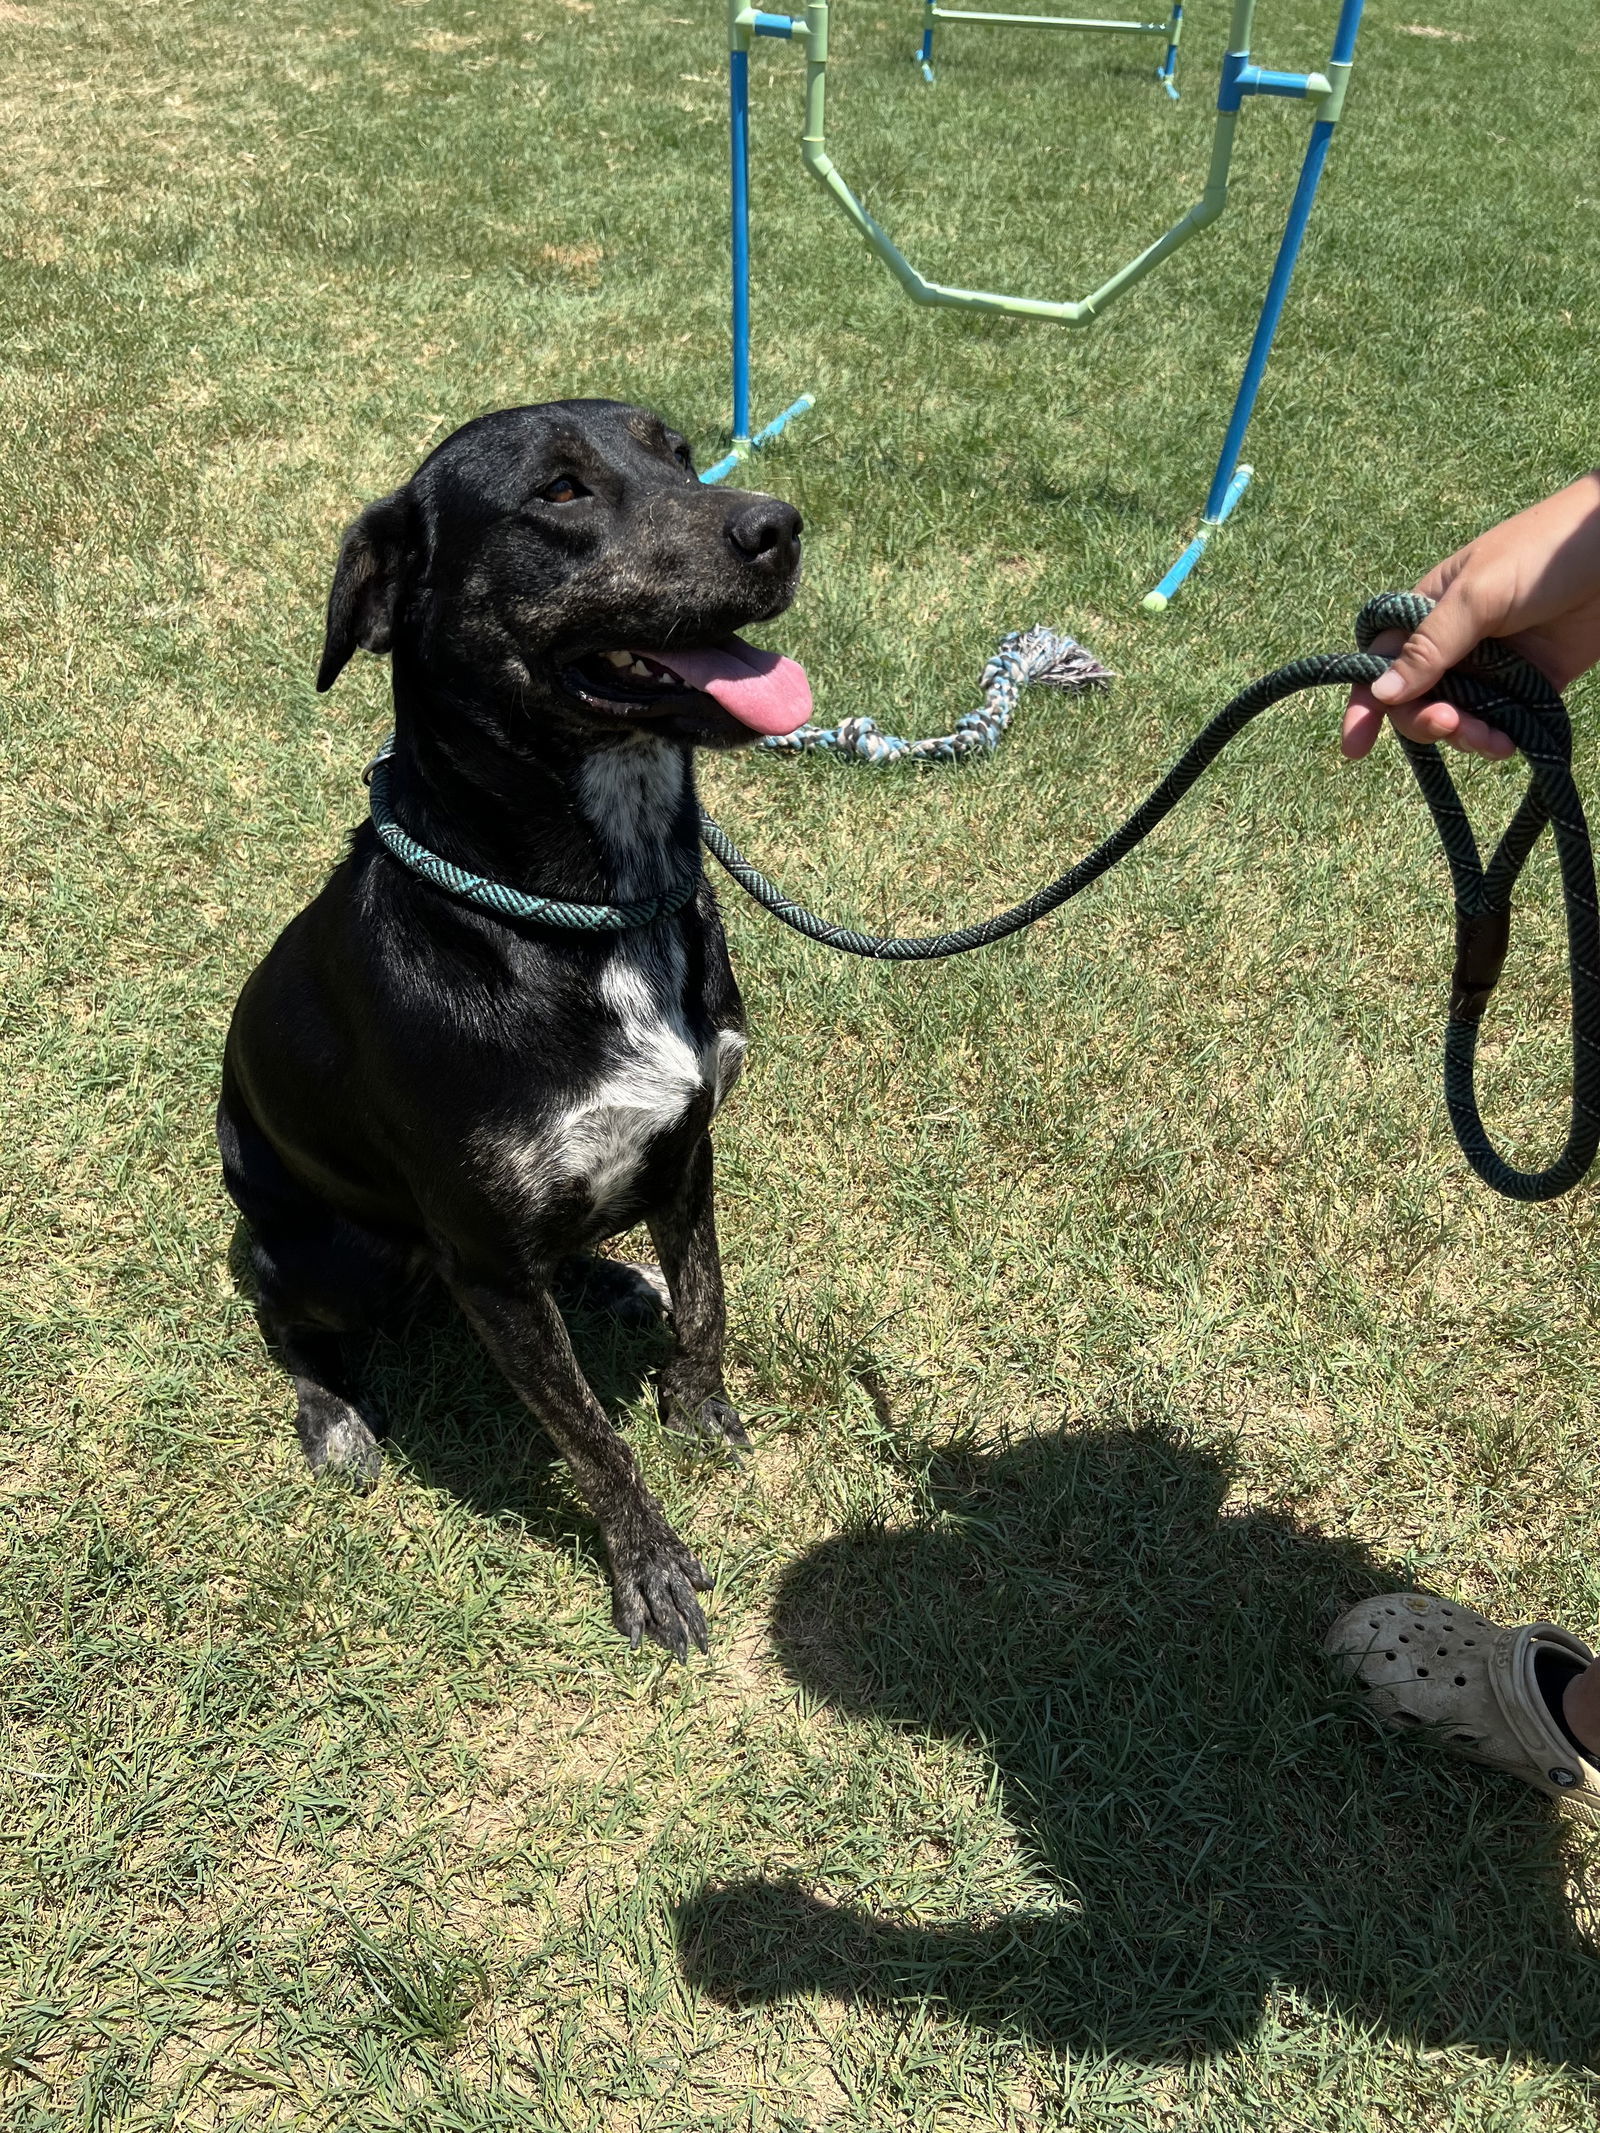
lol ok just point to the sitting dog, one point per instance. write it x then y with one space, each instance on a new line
419 1090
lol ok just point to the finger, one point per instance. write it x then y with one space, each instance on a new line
1454 727
1440 641
1363 719
1363 722
1437 721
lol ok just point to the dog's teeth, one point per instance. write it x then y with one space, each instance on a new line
642 666
620 659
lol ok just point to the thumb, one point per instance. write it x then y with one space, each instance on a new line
1438 643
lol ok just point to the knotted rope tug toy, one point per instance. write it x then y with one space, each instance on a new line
1496 683
1027 659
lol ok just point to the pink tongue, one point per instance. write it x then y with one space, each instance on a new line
763 690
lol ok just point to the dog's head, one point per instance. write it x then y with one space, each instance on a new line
565 558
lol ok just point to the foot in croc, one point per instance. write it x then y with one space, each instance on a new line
1525 1699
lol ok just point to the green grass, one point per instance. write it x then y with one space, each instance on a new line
1109 1308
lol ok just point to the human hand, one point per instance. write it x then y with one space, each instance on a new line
1533 580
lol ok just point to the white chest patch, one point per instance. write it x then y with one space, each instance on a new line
655 1071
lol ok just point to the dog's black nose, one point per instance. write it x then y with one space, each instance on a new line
765 530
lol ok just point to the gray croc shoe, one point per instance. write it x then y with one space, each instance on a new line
1433 1663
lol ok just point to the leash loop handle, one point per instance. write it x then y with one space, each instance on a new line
1496 683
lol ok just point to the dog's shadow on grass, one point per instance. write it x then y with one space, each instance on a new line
432 1395
1209 1813
436 1398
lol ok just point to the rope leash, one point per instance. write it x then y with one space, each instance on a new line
1497 684
1027 659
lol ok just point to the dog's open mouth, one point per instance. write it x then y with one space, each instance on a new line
761 690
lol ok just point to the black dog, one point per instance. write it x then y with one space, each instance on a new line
417 1090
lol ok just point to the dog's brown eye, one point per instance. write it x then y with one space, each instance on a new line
563 490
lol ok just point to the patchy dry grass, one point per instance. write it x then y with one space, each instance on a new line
1110 1307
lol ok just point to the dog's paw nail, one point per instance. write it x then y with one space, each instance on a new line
656 1598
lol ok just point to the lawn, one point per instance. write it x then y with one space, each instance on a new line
1109 1308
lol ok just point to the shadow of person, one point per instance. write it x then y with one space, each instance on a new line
1205 1813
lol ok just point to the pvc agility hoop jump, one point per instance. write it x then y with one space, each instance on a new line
1240 79
1171 30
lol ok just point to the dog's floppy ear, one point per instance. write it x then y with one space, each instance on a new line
366 584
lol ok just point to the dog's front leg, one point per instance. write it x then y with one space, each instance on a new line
694 1399
654 1578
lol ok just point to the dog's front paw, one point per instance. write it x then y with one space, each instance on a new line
706 1417
654 1580
338 1444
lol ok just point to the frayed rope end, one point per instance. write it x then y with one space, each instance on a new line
1054 661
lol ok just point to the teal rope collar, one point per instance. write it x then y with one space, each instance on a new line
499 897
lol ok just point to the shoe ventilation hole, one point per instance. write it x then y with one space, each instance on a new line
1391 1655
1374 1623
1461 1682
1469 1642
1404 1639
1388 1610
1422 1673
1443 1652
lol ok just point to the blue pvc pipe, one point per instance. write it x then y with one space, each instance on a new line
1283 266
1231 479
1167 71
1294 231
1159 598
1344 36
775 428
779 423
722 469
739 134
1240 79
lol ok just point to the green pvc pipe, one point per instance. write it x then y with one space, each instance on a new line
1052 22
814 153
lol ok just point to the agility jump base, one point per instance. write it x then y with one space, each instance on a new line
1241 79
